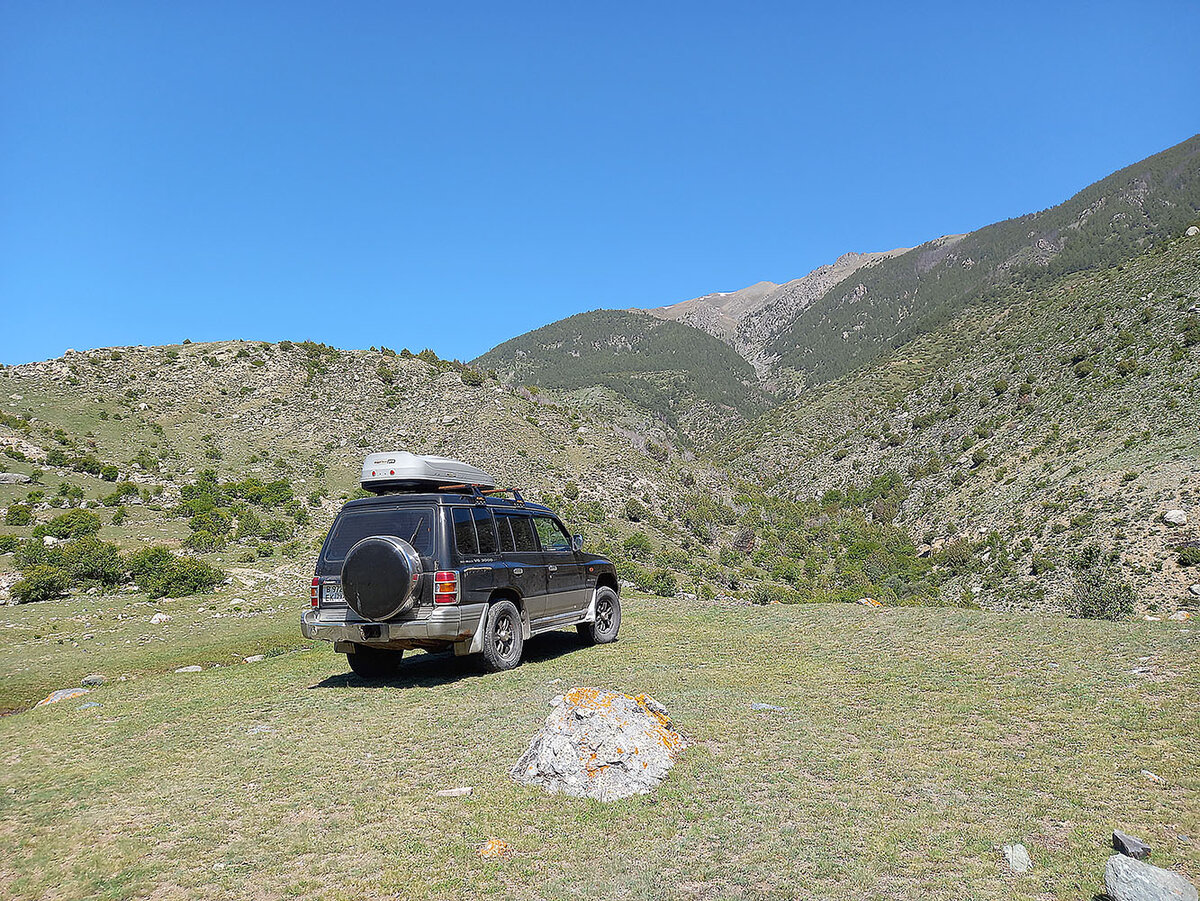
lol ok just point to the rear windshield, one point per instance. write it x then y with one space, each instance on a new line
413 524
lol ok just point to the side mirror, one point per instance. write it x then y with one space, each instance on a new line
577 543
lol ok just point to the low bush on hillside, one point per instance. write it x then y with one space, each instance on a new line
160 573
73 524
1098 589
18 515
41 583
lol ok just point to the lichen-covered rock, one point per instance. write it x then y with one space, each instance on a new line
601 744
63 694
1126 879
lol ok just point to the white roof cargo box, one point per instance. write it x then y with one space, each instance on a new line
400 470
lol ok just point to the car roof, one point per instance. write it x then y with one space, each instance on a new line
441 498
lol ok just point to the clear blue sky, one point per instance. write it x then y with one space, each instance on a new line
451 175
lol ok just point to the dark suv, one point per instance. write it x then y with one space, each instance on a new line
454 568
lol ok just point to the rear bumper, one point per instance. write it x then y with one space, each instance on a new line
450 623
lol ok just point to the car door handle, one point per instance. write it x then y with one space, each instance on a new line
552 568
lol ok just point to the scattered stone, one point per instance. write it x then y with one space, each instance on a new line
63 694
49 540
1195 590
760 706
254 658
1180 616
1175 518
13 478
1126 879
869 602
190 669
454 792
1018 858
601 744
1154 777
93 680
88 704
495 849
1130 846
1192 231
259 729
159 618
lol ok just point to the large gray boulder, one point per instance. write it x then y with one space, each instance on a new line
1126 879
13 478
1175 518
601 744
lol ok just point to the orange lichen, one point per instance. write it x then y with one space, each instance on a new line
495 849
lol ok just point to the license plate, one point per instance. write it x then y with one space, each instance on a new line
332 592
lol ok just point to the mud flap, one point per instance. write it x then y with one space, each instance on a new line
473 645
590 616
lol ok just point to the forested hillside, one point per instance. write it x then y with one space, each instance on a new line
893 301
679 373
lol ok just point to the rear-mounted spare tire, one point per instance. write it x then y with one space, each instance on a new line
379 577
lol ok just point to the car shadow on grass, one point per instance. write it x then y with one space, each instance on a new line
426 669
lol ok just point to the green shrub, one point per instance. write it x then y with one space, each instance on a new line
91 560
160 573
204 541
571 491
18 515
768 593
8 543
635 510
277 530
109 472
471 378
1098 589
41 583
119 515
1189 555
1084 368
72 524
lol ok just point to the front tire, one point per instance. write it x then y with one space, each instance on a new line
503 638
608 619
374 663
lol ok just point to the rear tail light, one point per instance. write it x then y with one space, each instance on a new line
315 595
445 587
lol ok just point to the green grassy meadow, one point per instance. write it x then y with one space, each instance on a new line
915 742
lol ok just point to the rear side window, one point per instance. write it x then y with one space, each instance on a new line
413 524
465 538
523 538
485 531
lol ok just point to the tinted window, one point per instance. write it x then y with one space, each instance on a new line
551 534
487 534
413 524
507 545
464 532
522 532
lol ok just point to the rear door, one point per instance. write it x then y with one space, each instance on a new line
523 559
566 585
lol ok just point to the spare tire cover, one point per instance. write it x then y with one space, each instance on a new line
379 576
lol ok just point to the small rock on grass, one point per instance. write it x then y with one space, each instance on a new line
63 694
1126 879
1018 858
1130 846
254 658
93 680
159 618
1154 777
190 669
760 706
454 792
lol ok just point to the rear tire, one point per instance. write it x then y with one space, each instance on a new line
608 619
374 663
503 638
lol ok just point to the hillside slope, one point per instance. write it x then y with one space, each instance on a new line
1032 424
683 375
898 299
